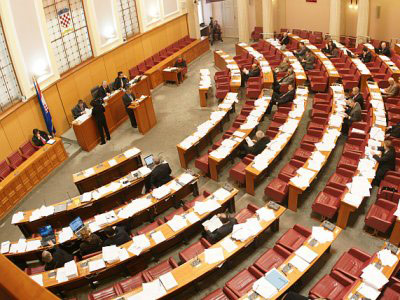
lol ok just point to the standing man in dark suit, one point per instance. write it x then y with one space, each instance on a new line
104 90
79 109
128 98
354 115
100 118
366 55
386 162
358 97
278 98
39 137
121 81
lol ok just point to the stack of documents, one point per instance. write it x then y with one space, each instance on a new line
70 269
213 255
161 192
97 264
221 194
151 290
21 246
307 254
38 278
185 178
265 214
202 207
368 291
213 224
177 223
5 247
387 258
168 281
299 263
17 217
322 235
140 242
265 289
33 245
110 254
374 277
157 237
228 244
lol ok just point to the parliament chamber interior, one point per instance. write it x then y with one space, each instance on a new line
199 149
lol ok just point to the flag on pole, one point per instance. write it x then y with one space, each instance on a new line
45 108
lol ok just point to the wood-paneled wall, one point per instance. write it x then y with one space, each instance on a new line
16 127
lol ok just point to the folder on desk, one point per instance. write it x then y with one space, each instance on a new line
277 279
61 207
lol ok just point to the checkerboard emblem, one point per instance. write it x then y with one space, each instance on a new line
65 19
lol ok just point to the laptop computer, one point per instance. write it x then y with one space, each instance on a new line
149 161
47 234
77 226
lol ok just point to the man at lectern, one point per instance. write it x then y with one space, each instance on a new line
128 98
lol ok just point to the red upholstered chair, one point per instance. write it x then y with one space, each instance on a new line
349 161
291 168
319 83
170 50
246 213
327 202
104 294
160 269
27 149
133 72
332 286
352 262
313 136
163 54
150 226
272 258
142 68
340 178
130 283
318 123
218 294
190 204
194 250
242 282
149 62
381 215
354 145
237 173
294 237
157 58
221 93
178 211
15 159
34 270
278 188
391 292
256 33
303 152
391 181
201 162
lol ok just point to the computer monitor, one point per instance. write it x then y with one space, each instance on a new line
149 160
76 224
46 231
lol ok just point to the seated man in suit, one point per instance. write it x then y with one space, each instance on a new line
366 55
117 236
328 47
393 131
392 90
100 118
308 61
301 53
40 138
289 78
384 49
259 143
278 98
353 115
161 173
128 98
387 161
104 90
334 52
219 233
255 71
283 66
79 109
181 64
357 97
91 243
121 81
284 40
55 258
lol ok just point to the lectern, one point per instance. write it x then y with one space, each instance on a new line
144 113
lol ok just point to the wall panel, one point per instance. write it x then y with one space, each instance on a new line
13 130
5 148
53 100
69 95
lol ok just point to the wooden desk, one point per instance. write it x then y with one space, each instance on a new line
295 191
203 95
107 171
215 163
23 179
295 274
268 77
144 113
189 53
394 70
187 153
345 208
186 274
86 131
252 174
171 76
395 235
386 270
222 60
171 238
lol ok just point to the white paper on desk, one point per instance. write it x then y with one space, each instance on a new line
368 291
61 276
185 178
140 242
306 253
241 232
254 225
177 223
13 248
168 281
212 224
131 152
86 197
239 133
153 290
174 185
21 245
265 214
71 270
33 245
110 254
89 172
265 289
38 278
144 170
122 254
161 192
213 255
101 219
17 217
93 227
322 235
305 172
112 162
387 258
158 237
374 277
46 210
300 181
314 165
299 263
202 207
228 244
5 247
192 217
353 199
35 215
221 194
97 264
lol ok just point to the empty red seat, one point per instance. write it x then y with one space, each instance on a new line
218 294
34 270
150 226
178 211
194 250
256 33
278 188
163 54
327 202
104 294
381 216
15 159
352 262
157 58
391 292
246 213
5 169
160 269
133 72
349 160
242 282
354 145
340 178
142 68
130 284
290 169
272 258
238 173
294 237
303 152
27 149
332 286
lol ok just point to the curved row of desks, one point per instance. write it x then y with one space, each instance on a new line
224 61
